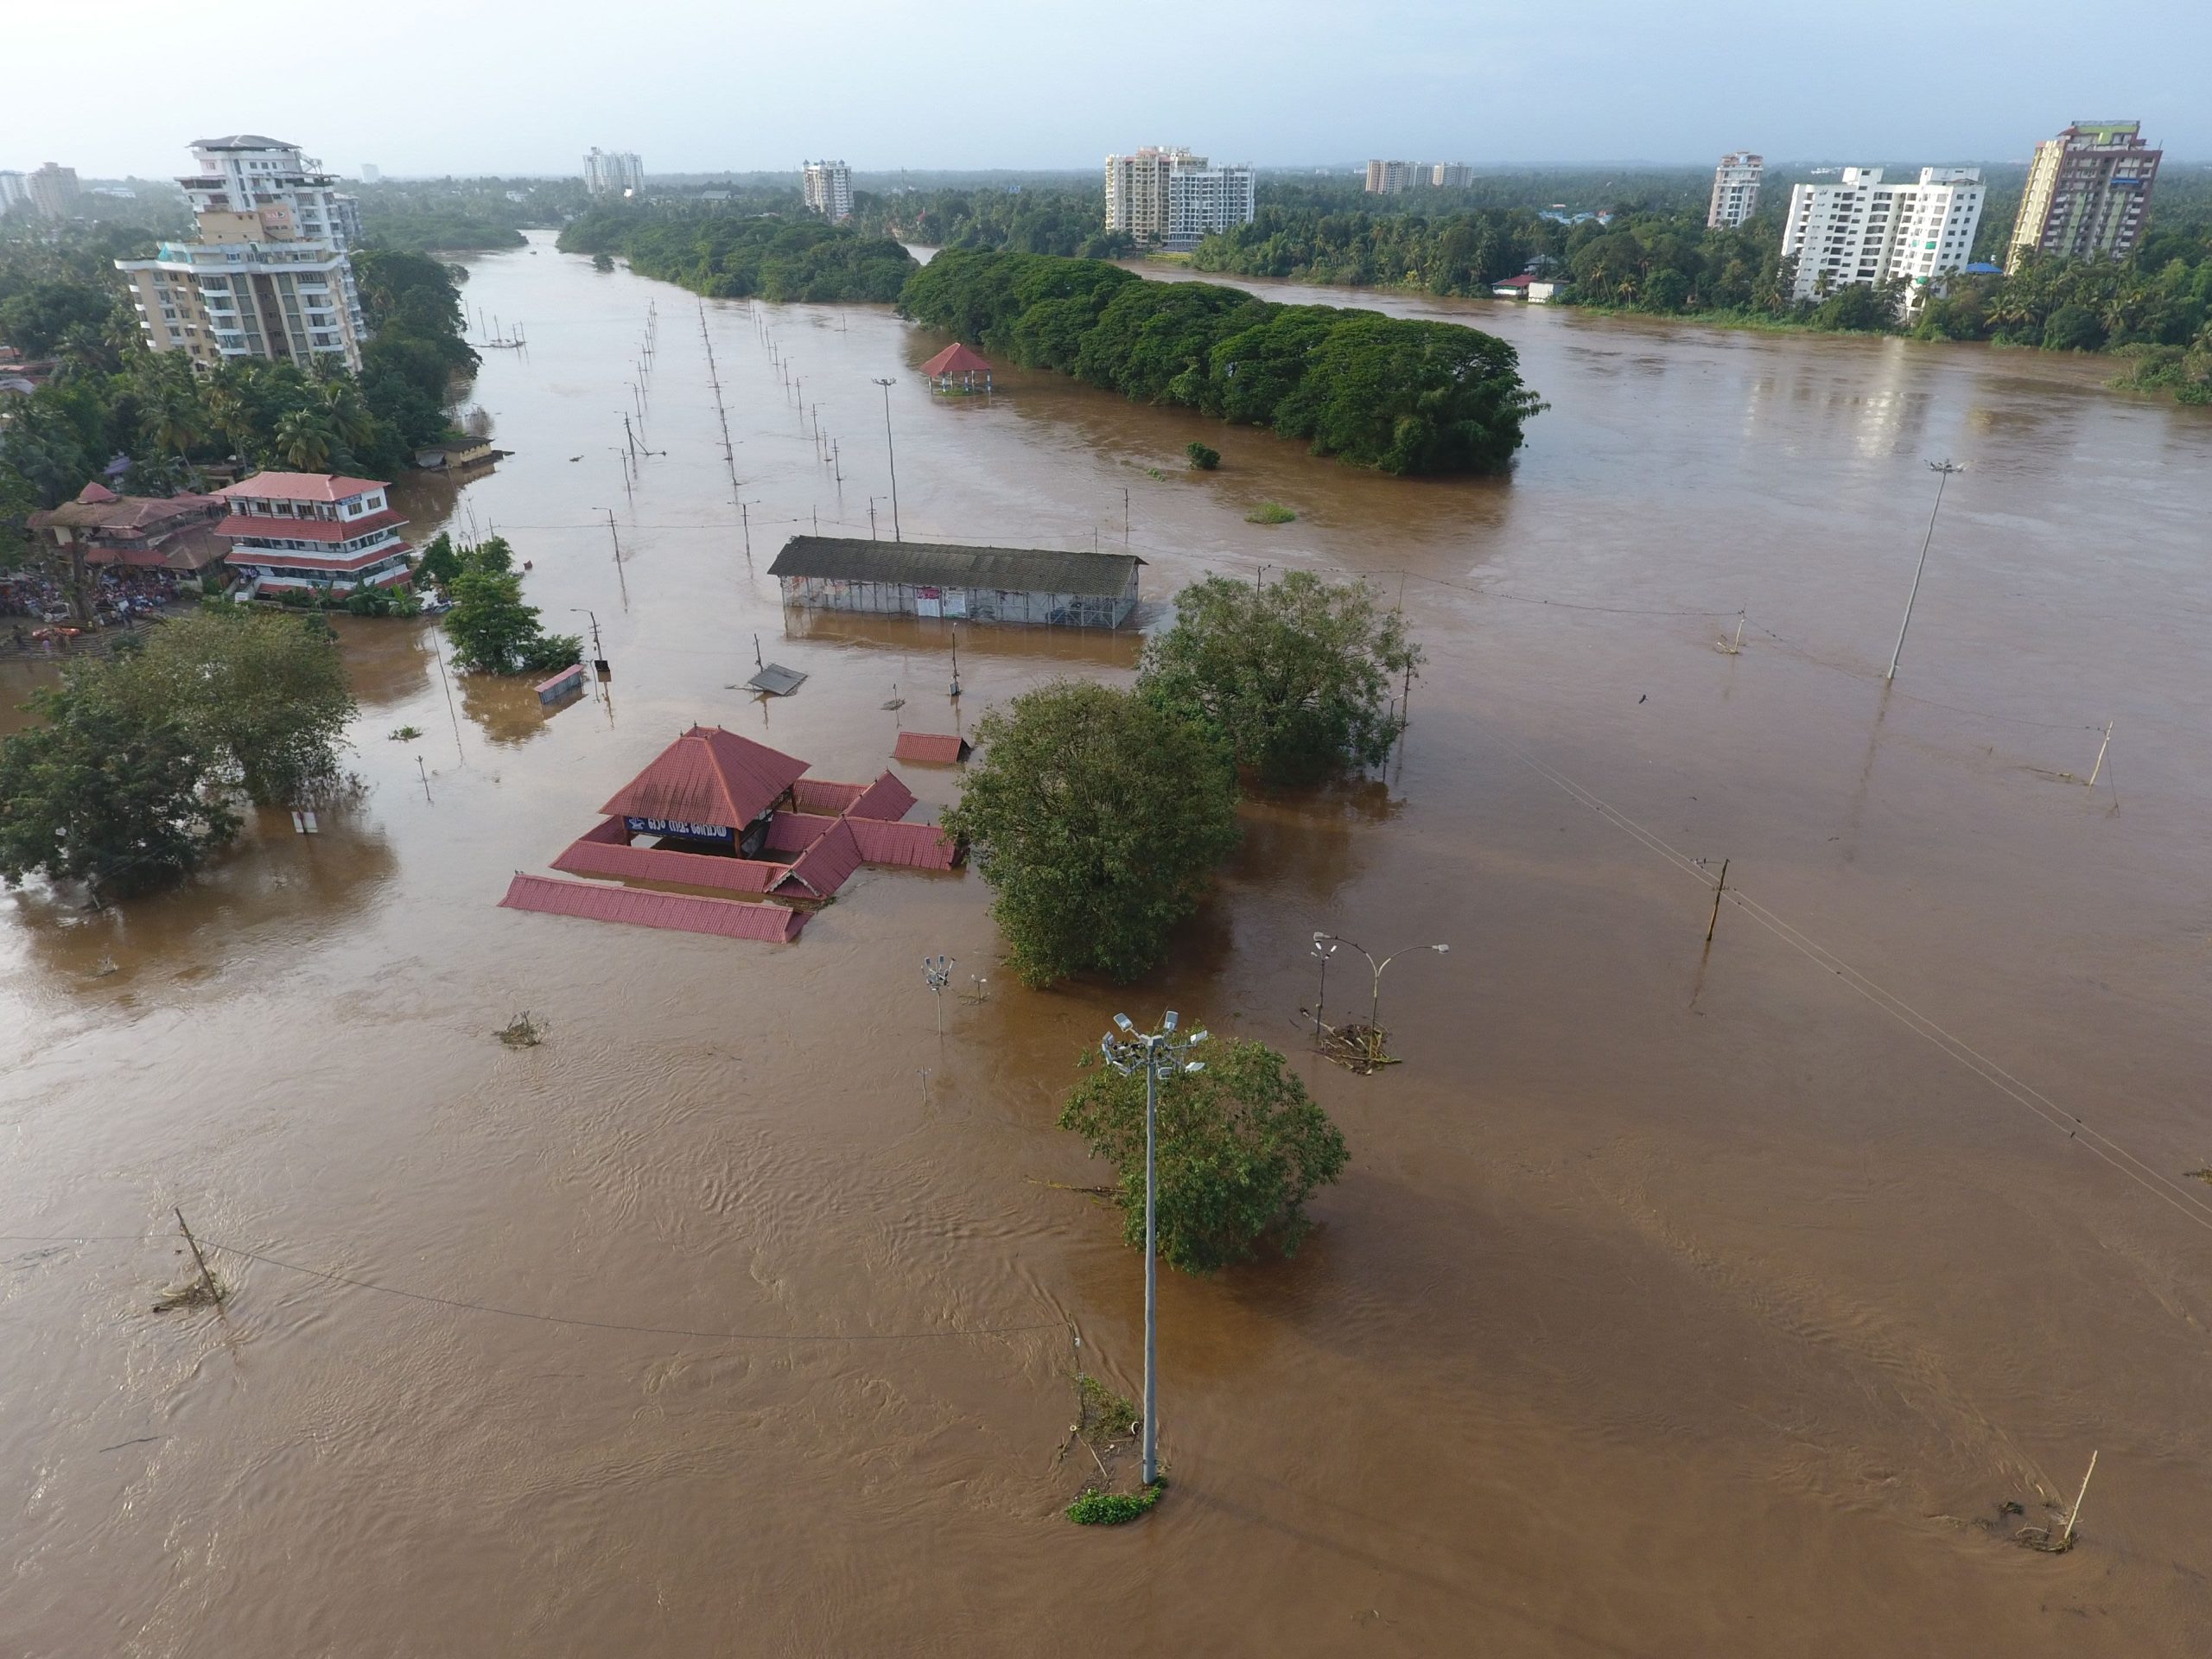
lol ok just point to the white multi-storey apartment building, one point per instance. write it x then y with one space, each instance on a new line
1451 176
827 187
1860 230
1202 201
1390 178
1735 189
613 173
268 275
14 191
312 530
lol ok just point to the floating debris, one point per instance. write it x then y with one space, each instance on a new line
523 1032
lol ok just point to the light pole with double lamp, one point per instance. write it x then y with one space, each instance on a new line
1374 996
1158 1054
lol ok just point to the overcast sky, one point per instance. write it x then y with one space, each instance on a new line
695 85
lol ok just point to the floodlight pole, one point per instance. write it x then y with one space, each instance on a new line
892 453
1374 993
1943 469
1160 1055
939 971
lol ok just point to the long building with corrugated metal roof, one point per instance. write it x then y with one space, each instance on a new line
976 584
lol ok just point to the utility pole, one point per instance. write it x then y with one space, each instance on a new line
598 652
938 970
1125 517
888 449
1943 469
871 517
1323 952
1158 1054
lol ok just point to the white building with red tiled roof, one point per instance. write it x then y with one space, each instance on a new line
307 530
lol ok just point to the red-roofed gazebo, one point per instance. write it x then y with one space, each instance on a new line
955 369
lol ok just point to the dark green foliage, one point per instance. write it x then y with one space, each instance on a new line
724 256
1399 396
1296 679
105 791
1240 1147
603 263
492 630
438 563
1203 459
36 320
1097 817
1097 1509
263 698
1029 220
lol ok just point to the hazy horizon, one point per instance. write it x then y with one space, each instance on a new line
987 85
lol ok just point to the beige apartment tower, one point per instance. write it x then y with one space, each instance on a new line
1735 190
1390 178
268 275
2087 195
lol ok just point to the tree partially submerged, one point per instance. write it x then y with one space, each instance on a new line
1098 818
1240 1147
1297 678
263 694
106 792
492 630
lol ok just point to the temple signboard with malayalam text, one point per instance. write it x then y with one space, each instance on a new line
678 827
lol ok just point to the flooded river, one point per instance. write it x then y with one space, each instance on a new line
1674 1302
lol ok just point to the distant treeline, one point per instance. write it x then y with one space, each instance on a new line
462 215
1401 396
726 253
1059 221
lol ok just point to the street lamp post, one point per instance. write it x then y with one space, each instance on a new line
1158 1054
1322 952
892 453
939 971
1374 993
1943 469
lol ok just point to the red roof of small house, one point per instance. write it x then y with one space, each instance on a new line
1522 281
708 776
98 509
827 865
299 486
956 359
97 493
914 846
686 912
933 748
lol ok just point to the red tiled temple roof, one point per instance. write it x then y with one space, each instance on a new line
956 359
684 912
708 776
932 748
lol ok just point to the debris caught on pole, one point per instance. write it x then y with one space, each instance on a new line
215 1295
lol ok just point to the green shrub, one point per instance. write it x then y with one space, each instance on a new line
1097 1509
1203 459
1269 512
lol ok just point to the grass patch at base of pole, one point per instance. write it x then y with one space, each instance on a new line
1097 1509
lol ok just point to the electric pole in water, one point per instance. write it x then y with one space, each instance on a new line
1157 1054
892 453
1943 469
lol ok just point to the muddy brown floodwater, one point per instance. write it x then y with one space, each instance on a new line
1674 1303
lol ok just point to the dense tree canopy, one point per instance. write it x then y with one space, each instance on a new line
727 255
492 630
1240 1147
1296 678
1097 818
1400 396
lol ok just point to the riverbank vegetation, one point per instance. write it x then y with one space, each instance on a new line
136 771
1068 222
492 630
1399 396
110 395
1660 258
725 255
461 215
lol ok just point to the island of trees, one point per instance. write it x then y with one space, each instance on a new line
1399 396
726 255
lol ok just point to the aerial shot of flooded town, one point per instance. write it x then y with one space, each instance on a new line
781 874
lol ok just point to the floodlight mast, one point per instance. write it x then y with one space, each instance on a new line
1160 1055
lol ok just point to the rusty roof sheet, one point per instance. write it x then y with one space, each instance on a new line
828 864
887 798
819 795
708 776
1012 570
932 748
911 846
596 854
683 913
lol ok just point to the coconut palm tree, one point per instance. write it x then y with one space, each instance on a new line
304 439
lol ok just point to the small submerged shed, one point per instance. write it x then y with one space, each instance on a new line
956 369
980 584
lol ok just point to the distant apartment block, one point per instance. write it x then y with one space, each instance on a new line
613 173
1136 190
1390 178
14 191
371 173
1205 201
1735 190
1861 230
829 189
1451 176
268 275
54 190
2088 194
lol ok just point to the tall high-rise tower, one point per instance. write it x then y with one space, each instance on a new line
2088 194
1735 189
